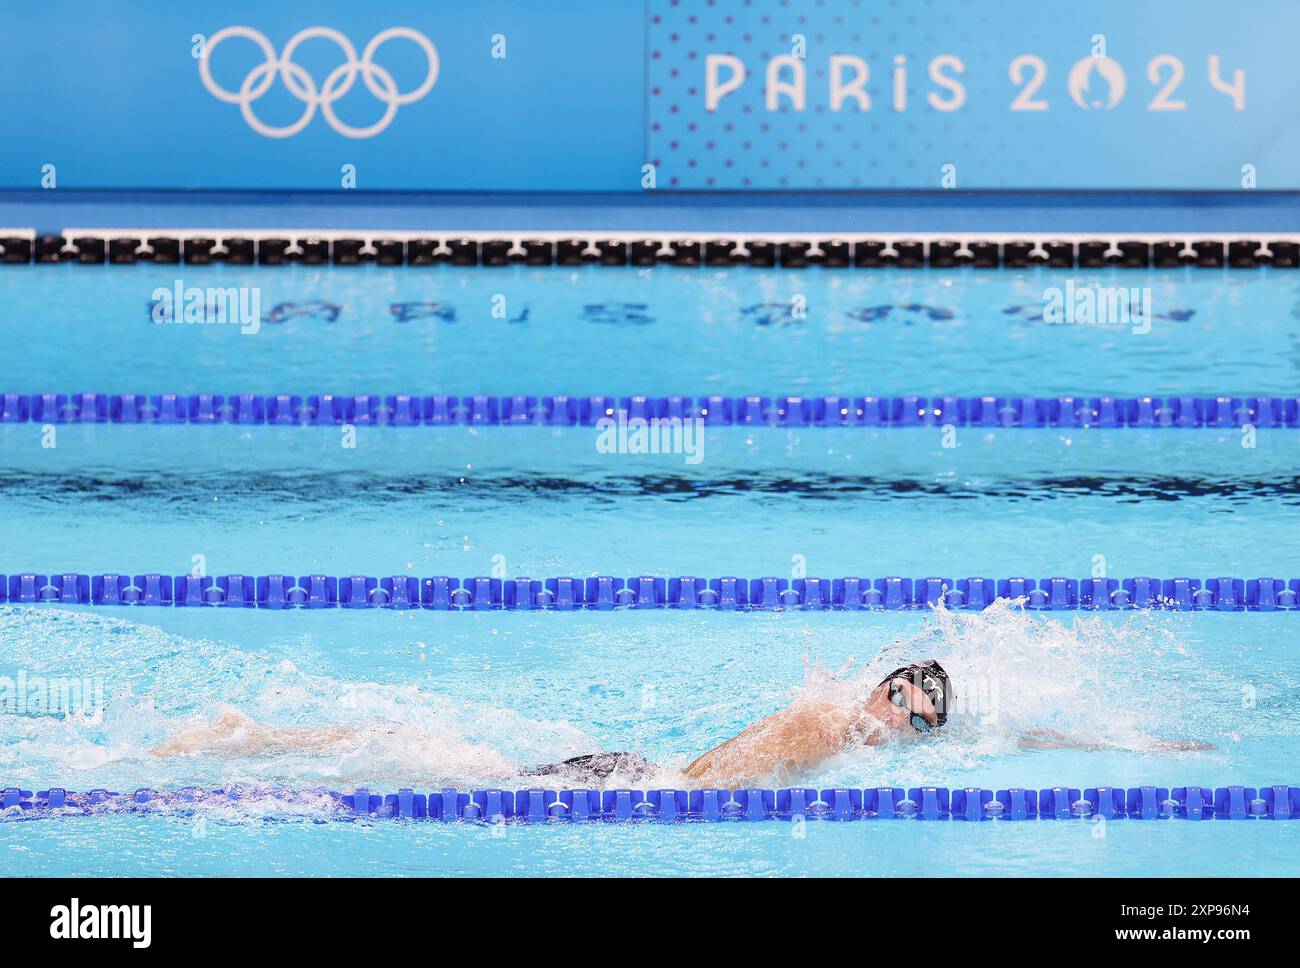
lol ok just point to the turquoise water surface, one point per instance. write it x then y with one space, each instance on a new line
656 331
470 699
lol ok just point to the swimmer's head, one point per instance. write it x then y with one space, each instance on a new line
922 692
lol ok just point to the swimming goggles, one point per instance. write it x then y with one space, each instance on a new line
898 698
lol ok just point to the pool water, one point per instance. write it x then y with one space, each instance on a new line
655 331
467 699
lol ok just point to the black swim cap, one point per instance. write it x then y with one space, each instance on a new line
931 679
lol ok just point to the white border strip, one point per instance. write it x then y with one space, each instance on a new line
622 235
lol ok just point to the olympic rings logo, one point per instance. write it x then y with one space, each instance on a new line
302 85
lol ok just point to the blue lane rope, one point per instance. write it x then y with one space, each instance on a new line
603 593
1272 802
565 411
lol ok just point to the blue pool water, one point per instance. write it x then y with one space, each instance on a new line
465 699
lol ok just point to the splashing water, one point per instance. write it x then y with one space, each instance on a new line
1013 672
1018 674
160 684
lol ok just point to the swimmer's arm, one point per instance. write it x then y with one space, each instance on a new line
1050 739
791 741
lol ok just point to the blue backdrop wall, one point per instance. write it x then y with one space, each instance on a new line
636 95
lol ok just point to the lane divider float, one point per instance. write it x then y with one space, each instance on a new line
411 410
1271 802
648 592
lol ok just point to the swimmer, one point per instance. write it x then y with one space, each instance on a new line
909 702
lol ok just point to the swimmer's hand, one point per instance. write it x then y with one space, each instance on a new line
1050 739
